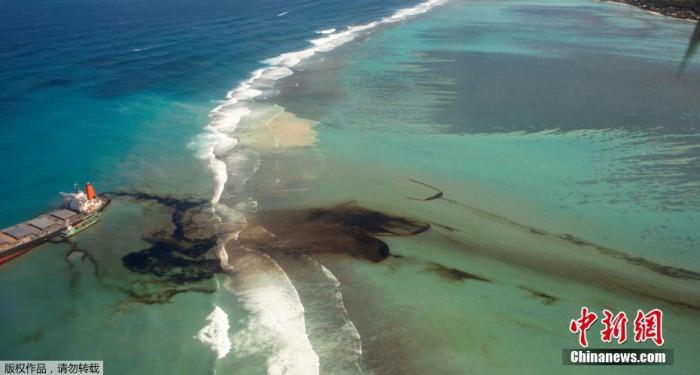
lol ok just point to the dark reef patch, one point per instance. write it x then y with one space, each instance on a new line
454 274
345 228
178 255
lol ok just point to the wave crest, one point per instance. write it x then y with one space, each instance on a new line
215 333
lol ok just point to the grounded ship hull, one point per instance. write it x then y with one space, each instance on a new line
8 255
14 253
21 238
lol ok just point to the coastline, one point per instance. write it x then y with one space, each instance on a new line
682 10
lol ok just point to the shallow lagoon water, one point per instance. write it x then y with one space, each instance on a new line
540 135
626 170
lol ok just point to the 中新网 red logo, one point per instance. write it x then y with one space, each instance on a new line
647 326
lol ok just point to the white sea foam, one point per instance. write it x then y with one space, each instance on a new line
276 73
276 326
248 94
326 31
333 335
349 327
215 333
218 168
333 39
224 144
141 49
223 258
227 120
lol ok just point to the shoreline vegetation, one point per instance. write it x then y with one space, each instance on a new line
681 9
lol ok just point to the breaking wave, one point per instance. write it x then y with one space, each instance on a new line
342 350
276 326
215 333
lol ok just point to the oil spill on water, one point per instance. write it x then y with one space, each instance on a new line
76 252
454 274
345 228
675 272
541 296
681 301
177 254
180 254
438 193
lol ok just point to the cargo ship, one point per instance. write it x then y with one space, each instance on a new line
80 210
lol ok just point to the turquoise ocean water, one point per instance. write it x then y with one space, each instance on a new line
542 121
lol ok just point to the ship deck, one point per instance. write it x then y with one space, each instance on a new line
42 227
